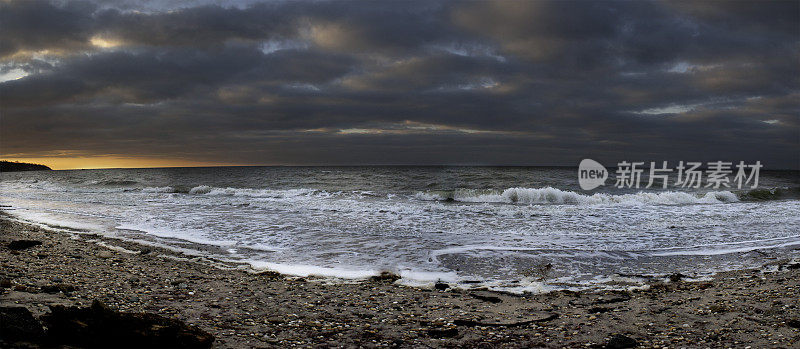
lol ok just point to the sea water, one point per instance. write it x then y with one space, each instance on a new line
512 228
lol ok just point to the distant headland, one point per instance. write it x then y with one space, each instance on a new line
12 166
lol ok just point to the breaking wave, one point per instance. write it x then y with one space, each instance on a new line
767 194
517 195
158 190
549 195
260 193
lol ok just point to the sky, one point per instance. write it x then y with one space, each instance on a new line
127 83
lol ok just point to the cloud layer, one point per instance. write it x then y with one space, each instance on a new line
332 82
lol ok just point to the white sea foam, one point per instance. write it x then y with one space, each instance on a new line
158 190
260 193
419 278
729 248
262 247
303 270
54 220
409 277
201 189
193 236
549 195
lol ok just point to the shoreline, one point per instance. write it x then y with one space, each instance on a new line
755 307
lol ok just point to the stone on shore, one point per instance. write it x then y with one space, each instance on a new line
17 324
621 342
17 245
99 326
56 288
385 276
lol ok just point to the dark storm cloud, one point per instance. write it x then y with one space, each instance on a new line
153 74
402 82
38 25
778 17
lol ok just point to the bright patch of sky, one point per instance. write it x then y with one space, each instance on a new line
632 74
102 42
686 67
486 83
11 74
470 50
303 87
681 68
412 127
714 103
671 109
272 46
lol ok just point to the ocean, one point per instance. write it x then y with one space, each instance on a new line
508 228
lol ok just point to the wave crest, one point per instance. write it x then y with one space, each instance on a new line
249 192
158 190
550 195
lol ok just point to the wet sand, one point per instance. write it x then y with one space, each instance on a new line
759 308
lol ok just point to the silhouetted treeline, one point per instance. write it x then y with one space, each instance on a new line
9 166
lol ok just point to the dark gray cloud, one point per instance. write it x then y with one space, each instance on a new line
402 82
38 25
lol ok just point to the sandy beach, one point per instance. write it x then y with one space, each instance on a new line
756 308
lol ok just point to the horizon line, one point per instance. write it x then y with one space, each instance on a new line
360 165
